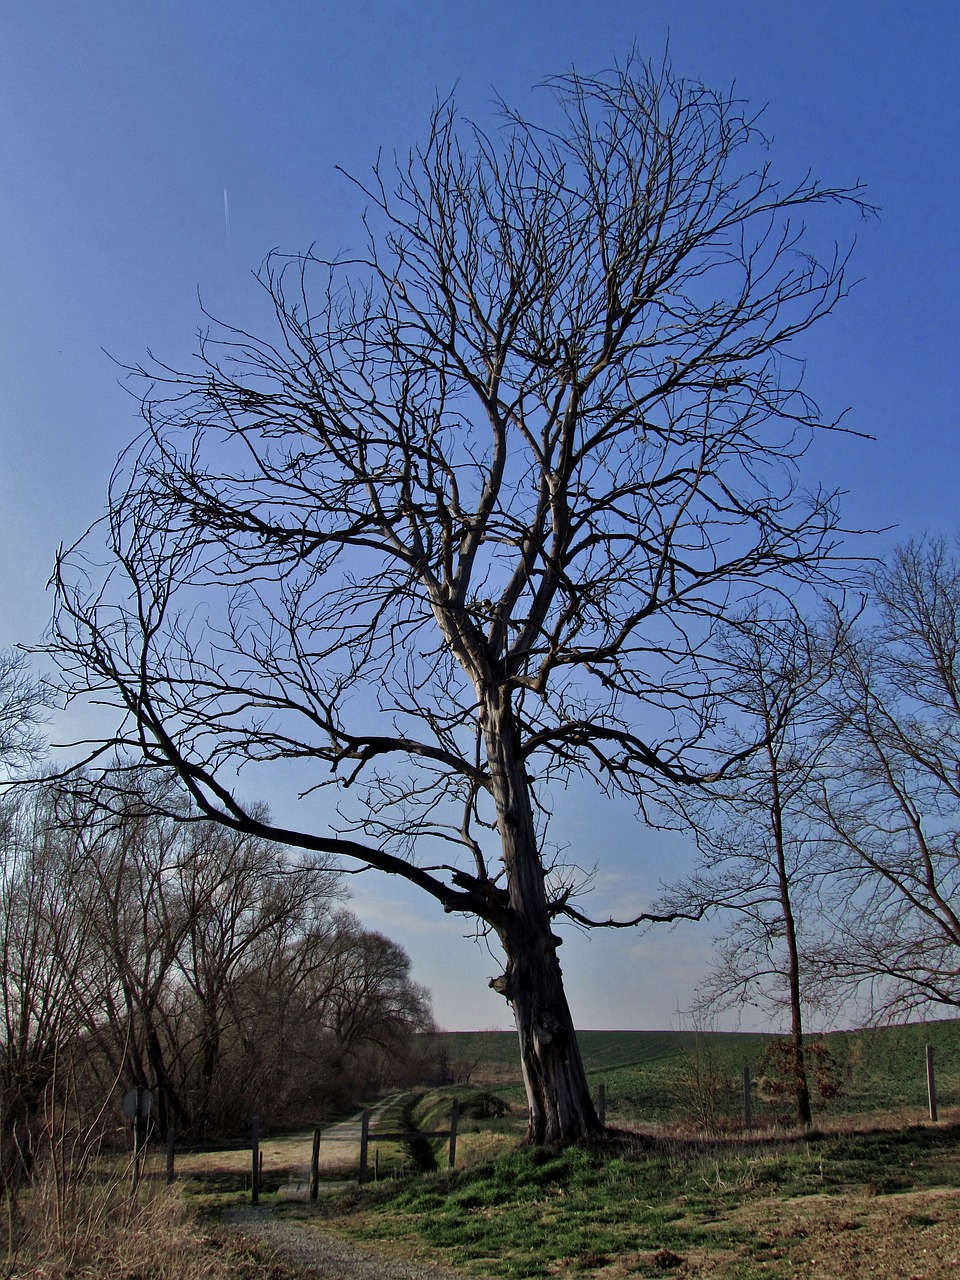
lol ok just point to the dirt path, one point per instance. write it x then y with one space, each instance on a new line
320 1255
339 1148
313 1251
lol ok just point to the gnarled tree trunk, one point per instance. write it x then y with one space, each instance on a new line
558 1096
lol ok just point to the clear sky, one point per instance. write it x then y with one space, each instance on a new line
151 149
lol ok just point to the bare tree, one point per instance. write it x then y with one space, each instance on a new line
127 856
46 959
759 831
241 900
20 710
468 526
893 799
373 1000
181 909
322 1011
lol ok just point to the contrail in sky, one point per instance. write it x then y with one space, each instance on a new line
226 213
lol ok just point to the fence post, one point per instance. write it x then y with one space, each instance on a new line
315 1165
747 1100
454 1120
602 1103
171 1144
364 1141
931 1084
255 1153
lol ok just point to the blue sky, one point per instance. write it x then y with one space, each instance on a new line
122 123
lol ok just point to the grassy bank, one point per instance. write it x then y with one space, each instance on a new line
737 1209
873 1192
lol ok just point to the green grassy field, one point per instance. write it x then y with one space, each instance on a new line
678 1077
879 1201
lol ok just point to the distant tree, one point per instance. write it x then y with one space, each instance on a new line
760 834
373 1000
777 1070
181 910
469 524
323 1013
20 710
893 799
48 973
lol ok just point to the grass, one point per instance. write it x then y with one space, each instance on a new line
611 1210
873 1193
99 1230
654 1077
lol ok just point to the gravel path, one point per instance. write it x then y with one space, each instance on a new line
323 1255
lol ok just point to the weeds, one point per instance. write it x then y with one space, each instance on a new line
79 1216
110 1235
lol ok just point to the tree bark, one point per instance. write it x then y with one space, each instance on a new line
558 1096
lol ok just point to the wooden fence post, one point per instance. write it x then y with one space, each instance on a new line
315 1165
602 1103
747 1100
364 1141
255 1153
171 1145
454 1119
931 1084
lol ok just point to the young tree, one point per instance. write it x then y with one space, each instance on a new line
759 832
468 525
893 798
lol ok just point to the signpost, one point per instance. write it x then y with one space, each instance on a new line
136 1107
255 1161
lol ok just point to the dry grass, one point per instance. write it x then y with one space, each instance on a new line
79 1217
105 1233
907 1236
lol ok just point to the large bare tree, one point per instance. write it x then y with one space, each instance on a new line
465 525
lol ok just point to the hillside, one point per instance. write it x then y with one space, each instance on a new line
672 1075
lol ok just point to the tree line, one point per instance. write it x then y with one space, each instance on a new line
144 947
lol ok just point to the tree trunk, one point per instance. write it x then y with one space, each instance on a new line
801 1089
210 1060
558 1096
170 1108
